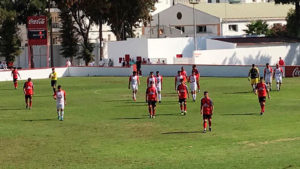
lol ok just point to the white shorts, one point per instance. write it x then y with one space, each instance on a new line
193 87
158 88
278 79
60 105
134 87
268 79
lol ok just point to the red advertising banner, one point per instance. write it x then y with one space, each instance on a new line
37 30
292 71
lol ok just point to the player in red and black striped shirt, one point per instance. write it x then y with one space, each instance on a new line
262 90
206 109
183 94
151 98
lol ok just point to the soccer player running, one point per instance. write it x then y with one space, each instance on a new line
134 82
61 101
278 74
253 75
268 72
206 110
183 94
261 89
193 84
15 75
150 79
53 77
159 82
28 92
151 99
194 68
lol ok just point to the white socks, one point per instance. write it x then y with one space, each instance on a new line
159 97
194 96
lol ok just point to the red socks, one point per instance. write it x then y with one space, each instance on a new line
262 108
181 107
204 124
30 103
184 107
16 85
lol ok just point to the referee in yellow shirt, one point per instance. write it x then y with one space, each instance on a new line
53 77
254 76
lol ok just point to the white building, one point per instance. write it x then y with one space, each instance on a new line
221 19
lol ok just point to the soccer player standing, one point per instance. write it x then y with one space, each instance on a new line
261 89
206 109
61 101
15 75
194 68
159 82
151 99
193 85
53 77
28 92
135 82
183 94
268 71
150 79
253 75
278 74
178 77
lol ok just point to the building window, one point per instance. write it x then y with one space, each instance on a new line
201 29
217 1
209 1
179 15
233 28
180 28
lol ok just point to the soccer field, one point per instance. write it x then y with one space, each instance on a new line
104 128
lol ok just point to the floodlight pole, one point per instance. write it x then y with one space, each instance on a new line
194 22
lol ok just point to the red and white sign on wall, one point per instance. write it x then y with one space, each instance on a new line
292 71
37 30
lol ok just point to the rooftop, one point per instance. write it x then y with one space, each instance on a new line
250 41
248 11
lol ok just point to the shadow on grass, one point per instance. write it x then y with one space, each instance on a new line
243 92
11 109
241 114
182 132
40 120
128 118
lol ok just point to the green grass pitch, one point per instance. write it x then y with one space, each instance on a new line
104 128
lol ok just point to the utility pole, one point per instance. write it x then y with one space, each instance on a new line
51 35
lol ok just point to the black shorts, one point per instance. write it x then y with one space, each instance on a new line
53 83
261 99
15 80
153 103
28 96
206 116
182 100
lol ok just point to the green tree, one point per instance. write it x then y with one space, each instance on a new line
258 27
9 39
293 18
125 15
68 35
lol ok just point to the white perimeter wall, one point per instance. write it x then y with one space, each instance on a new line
247 56
216 44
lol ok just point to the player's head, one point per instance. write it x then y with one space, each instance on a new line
182 69
279 58
151 73
194 66
267 64
157 72
59 87
134 72
53 69
277 65
253 65
178 72
14 68
29 79
261 79
205 94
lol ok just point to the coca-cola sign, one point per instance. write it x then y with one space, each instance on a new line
292 71
36 22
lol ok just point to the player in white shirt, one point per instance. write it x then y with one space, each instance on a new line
193 84
278 74
177 79
134 83
150 79
268 72
61 101
159 82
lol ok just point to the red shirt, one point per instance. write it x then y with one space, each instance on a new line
182 91
196 73
207 106
262 89
28 86
183 73
15 74
151 93
281 62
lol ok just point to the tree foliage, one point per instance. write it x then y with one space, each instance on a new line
258 27
293 18
125 15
